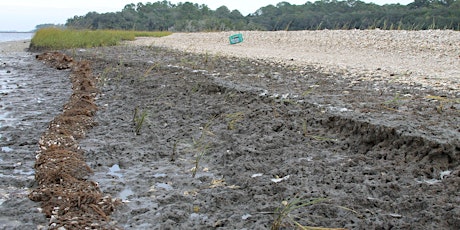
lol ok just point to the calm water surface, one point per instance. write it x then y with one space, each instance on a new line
7 36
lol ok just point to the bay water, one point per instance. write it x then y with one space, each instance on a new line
15 36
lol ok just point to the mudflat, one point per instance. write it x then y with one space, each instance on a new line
195 133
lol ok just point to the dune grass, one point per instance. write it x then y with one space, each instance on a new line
55 39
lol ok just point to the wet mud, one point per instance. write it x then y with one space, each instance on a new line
191 141
225 141
31 95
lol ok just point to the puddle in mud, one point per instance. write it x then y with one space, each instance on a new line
24 172
164 186
6 149
442 175
6 87
159 175
115 170
126 193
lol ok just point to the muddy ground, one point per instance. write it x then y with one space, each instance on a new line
370 154
31 95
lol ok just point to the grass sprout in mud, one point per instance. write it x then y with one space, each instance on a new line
284 216
394 103
201 145
139 119
444 102
104 76
233 119
149 70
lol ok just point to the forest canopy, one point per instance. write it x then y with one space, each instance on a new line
324 14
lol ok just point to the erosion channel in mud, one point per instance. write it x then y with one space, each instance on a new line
201 141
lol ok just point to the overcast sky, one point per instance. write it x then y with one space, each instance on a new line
24 15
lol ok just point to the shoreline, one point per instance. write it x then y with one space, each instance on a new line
30 96
14 46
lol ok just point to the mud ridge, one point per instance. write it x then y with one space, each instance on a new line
416 147
67 197
364 136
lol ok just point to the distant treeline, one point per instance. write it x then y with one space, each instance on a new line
324 14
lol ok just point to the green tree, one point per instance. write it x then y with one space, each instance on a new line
322 14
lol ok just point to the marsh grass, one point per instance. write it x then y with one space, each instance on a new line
104 76
208 60
233 119
139 119
443 102
321 138
55 38
306 133
188 62
284 215
111 74
119 71
395 100
149 70
196 88
394 103
308 91
201 145
274 108
304 128
174 151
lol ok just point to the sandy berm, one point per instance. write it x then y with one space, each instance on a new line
430 57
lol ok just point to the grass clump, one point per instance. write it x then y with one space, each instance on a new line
443 101
138 120
150 33
201 145
55 38
284 215
233 119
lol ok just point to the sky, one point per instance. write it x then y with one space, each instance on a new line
24 15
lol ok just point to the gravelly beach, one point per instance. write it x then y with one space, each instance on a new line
367 120
429 57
